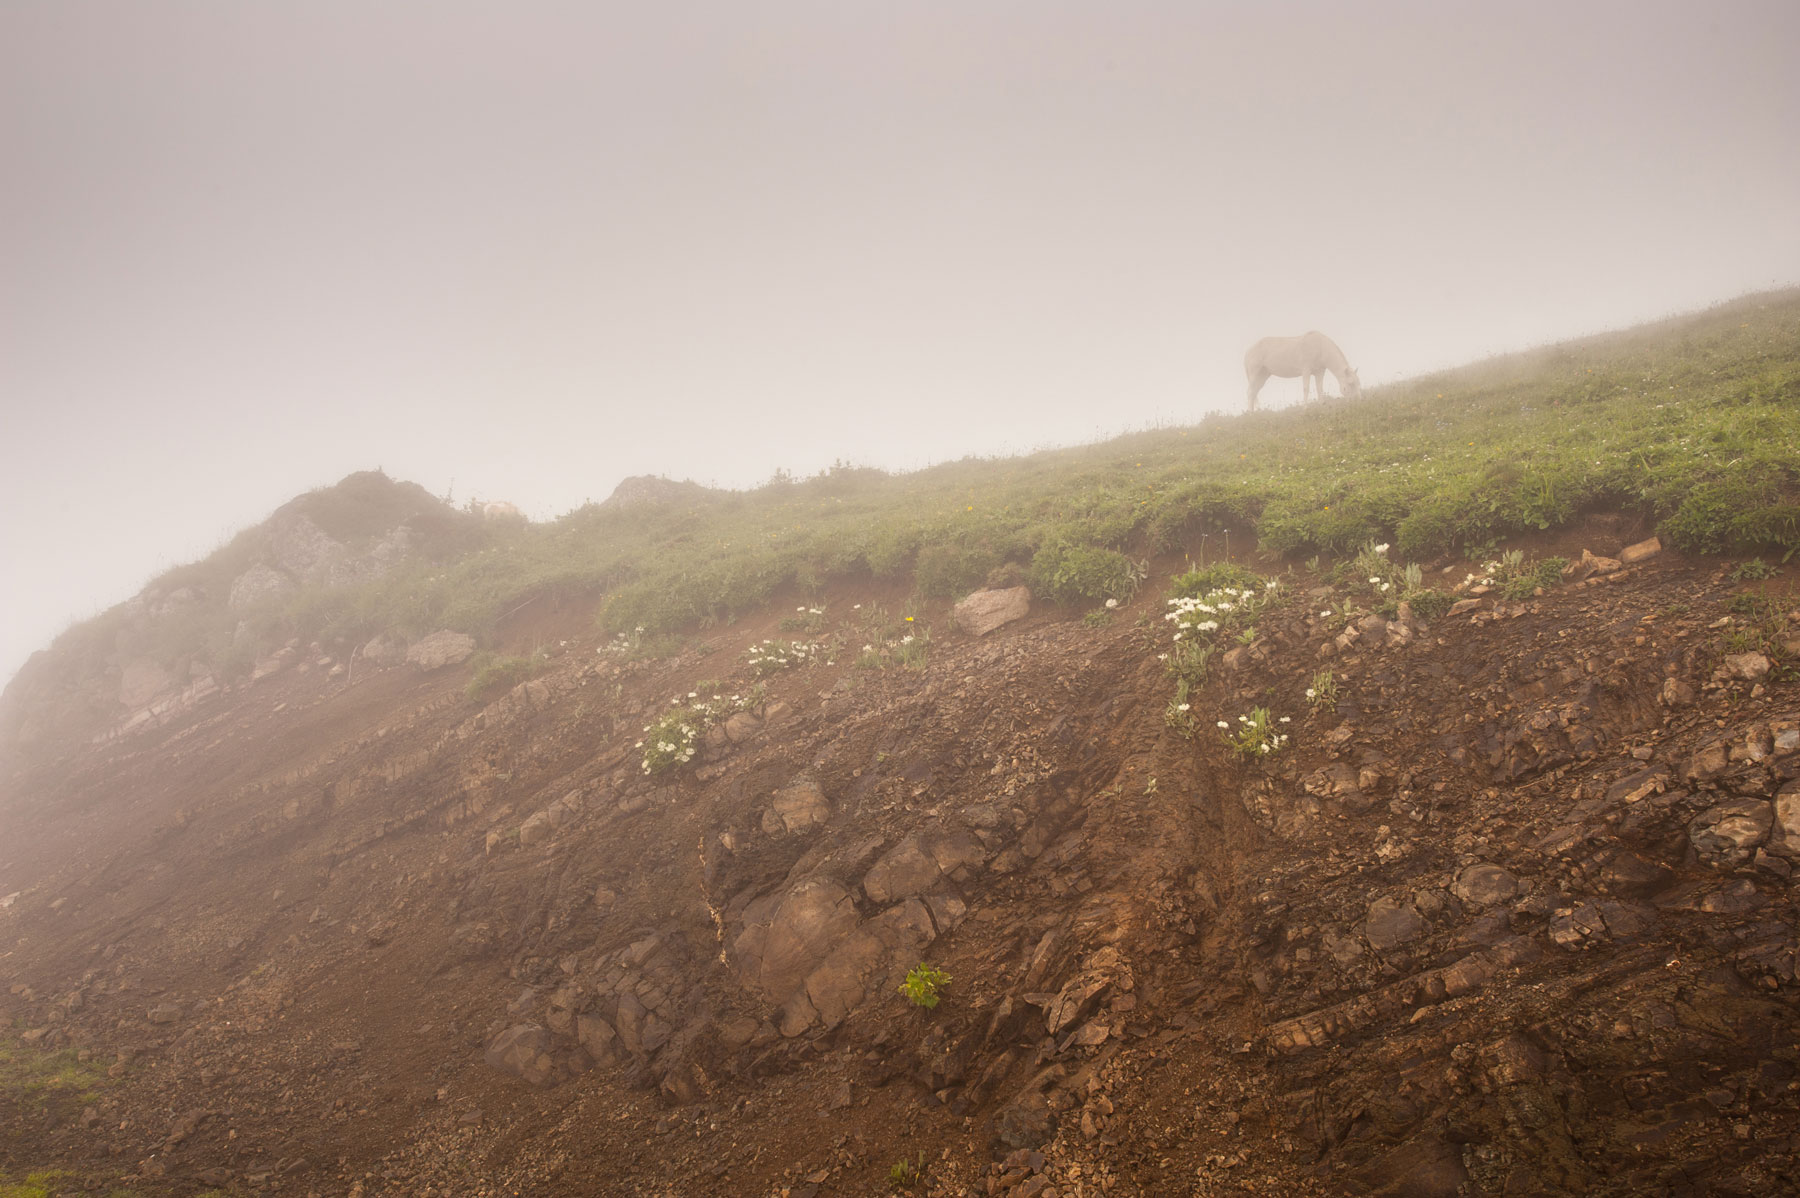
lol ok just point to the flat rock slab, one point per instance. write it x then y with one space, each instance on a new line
985 611
440 649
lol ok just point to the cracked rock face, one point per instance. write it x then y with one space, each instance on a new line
1515 914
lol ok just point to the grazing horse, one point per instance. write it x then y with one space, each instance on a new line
1307 358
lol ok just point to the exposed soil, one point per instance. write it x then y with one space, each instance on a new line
1512 917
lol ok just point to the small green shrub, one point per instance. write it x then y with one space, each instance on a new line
1188 660
495 675
1179 714
1255 735
1754 570
905 1175
1428 604
950 571
1219 576
671 741
1322 695
923 985
1066 573
1519 582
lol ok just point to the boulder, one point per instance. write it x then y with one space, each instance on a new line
303 550
597 1036
1590 563
1728 834
384 651
523 1050
789 934
1391 923
536 829
259 584
1747 667
917 863
1784 834
1026 1122
440 649
1485 885
1632 554
796 808
984 611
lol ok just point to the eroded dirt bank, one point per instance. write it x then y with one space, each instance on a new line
1512 916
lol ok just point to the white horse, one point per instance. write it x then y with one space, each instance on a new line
1306 357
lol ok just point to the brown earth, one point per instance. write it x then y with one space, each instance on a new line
1490 925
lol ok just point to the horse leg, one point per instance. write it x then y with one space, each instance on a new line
1256 385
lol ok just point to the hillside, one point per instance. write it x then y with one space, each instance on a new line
1446 850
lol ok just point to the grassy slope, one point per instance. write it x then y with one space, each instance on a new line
1694 421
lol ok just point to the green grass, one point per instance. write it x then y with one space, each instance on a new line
493 675
35 1078
1693 423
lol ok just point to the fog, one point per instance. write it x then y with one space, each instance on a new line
521 251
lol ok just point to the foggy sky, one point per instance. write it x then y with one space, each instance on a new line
520 251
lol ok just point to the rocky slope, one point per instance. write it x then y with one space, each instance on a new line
1511 916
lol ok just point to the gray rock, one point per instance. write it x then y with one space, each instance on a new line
789 934
167 1012
917 863
1728 834
1707 763
1485 885
440 649
796 808
985 611
1633 788
384 651
1784 834
1747 667
1580 926
536 829
1026 1122
1391 923
1590 563
259 584
523 1051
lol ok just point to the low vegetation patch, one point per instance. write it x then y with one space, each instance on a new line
38 1079
1692 424
495 675
924 985
1257 734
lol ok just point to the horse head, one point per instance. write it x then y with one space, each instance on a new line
1352 386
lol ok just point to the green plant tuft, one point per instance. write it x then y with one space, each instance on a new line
923 984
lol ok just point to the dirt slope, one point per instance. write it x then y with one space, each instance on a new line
1511 917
